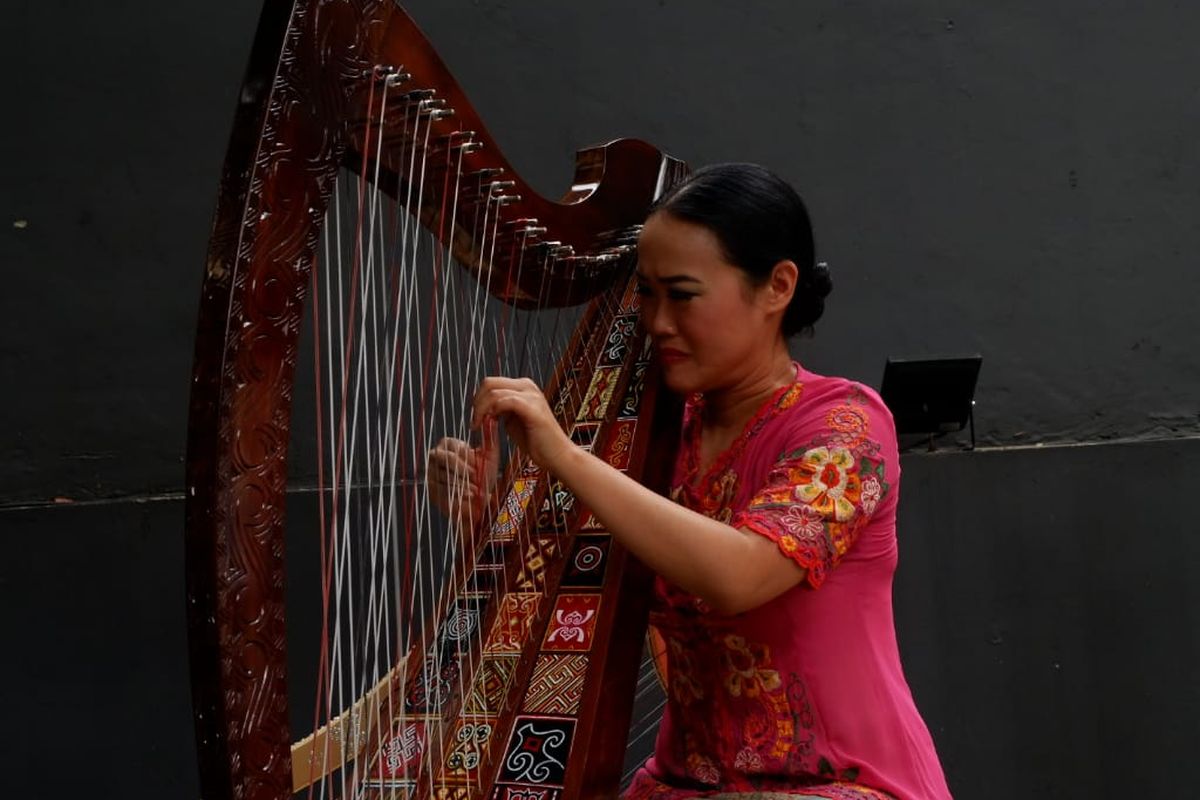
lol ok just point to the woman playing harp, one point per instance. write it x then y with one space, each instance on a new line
776 551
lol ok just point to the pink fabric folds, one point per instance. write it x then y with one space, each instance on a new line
805 694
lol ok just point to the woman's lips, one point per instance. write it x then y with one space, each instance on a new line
671 356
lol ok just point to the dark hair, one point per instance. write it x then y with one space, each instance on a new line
760 220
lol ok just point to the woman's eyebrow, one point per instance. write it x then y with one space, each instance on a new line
668 279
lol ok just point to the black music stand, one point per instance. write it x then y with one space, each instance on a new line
932 396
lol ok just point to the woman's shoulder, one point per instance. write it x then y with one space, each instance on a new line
825 398
832 414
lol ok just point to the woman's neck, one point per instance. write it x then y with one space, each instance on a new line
730 408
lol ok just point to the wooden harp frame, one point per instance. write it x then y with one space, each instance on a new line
312 65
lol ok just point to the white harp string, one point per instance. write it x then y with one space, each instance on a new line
404 344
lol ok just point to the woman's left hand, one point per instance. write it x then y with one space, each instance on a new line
527 418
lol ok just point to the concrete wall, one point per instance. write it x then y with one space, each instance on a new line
1015 179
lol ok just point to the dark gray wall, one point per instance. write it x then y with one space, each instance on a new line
1017 179
1048 627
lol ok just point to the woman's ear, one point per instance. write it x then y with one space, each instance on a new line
781 285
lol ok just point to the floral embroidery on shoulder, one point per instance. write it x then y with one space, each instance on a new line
848 424
827 480
817 498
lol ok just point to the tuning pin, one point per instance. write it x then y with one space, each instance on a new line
527 225
417 96
484 173
381 72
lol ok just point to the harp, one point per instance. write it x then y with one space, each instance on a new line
358 184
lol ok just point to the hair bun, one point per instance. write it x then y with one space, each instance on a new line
822 280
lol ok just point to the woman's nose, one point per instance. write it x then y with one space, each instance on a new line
658 319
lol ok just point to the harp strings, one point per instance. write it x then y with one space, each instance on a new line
403 336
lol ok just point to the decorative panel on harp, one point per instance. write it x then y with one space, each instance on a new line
474 613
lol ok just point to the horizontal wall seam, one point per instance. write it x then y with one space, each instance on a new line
911 452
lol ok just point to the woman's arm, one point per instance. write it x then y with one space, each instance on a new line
733 570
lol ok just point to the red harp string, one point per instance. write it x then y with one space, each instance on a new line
350 91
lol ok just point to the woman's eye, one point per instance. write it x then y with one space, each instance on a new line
680 295
643 290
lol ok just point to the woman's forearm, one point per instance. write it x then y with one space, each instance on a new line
732 570
698 554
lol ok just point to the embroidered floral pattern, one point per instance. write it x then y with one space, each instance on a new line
817 499
717 502
740 718
644 787
748 761
684 686
703 769
745 673
716 487
871 491
849 423
814 505
826 479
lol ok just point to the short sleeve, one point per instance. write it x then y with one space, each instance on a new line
828 482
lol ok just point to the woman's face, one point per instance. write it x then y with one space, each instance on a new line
710 327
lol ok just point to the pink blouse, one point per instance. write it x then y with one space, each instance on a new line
804 694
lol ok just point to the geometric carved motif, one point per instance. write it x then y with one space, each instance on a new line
537 752
566 391
599 395
573 622
585 567
590 523
620 445
466 749
513 622
558 503
507 792
617 344
432 683
532 576
491 685
557 684
632 399
400 756
459 627
512 513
